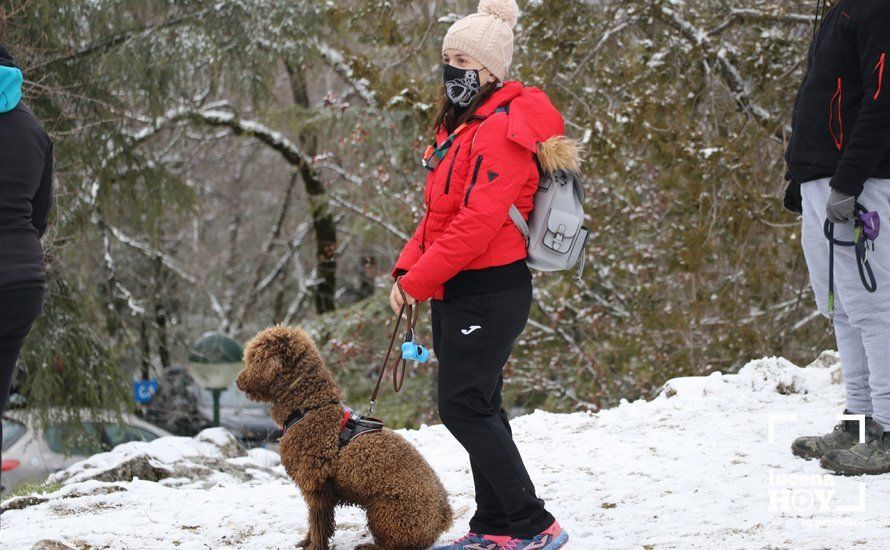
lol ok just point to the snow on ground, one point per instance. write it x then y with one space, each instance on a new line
693 468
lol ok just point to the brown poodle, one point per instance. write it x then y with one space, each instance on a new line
407 505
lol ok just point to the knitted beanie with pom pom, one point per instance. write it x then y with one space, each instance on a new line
486 36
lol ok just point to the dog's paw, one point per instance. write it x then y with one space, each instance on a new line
309 545
368 546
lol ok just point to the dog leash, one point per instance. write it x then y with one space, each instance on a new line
866 227
413 313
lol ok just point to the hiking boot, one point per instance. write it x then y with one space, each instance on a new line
549 539
871 457
844 436
476 541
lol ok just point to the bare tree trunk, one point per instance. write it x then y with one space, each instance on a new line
319 204
369 273
145 349
160 312
279 306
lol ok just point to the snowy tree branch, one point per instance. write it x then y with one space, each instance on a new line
167 260
760 15
338 62
276 140
371 216
738 86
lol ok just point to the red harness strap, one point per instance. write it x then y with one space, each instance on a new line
346 414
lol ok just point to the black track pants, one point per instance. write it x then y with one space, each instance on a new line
18 310
473 336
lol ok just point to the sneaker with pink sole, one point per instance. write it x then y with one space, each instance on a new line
477 541
549 539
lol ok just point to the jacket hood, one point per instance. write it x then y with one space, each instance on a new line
10 82
534 123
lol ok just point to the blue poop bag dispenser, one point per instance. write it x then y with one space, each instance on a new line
412 350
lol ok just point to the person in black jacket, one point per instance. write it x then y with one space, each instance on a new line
26 164
842 115
838 156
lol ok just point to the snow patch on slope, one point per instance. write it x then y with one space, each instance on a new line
693 468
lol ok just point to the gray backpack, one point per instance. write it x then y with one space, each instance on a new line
555 235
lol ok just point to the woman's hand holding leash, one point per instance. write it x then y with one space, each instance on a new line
410 349
398 297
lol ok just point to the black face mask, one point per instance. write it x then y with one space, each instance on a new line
461 85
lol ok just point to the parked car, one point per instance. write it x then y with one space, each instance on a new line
30 455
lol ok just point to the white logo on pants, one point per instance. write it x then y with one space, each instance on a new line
472 328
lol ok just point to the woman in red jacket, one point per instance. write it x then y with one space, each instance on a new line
492 138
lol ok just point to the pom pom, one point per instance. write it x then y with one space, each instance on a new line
505 9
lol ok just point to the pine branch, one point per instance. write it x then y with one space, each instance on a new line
110 42
604 39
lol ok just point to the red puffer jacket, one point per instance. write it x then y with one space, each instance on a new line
490 166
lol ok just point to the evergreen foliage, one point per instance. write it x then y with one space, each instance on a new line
202 146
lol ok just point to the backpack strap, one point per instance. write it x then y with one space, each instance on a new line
505 108
520 223
514 212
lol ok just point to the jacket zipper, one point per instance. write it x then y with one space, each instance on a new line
473 181
837 100
447 185
879 68
426 212
451 169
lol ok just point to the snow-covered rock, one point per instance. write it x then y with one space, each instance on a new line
212 452
705 464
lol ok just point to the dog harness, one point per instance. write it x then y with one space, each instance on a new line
352 424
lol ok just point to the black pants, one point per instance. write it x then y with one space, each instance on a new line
18 310
473 336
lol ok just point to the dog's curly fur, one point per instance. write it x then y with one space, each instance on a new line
406 504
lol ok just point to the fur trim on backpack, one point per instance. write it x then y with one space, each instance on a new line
560 152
